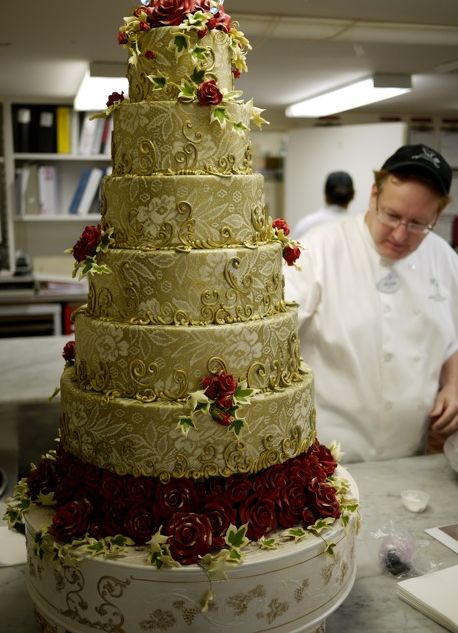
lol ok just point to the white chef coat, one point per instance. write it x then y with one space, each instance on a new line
331 213
376 333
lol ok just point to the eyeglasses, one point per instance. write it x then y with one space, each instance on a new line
392 220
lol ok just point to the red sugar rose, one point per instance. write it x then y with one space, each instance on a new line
114 98
291 254
260 515
87 243
323 499
71 520
170 12
139 524
69 352
190 536
281 224
208 93
42 478
178 495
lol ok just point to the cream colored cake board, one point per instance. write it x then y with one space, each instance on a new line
289 590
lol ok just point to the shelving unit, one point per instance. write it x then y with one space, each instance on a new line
39 234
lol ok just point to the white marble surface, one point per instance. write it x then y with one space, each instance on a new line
372 604
30 367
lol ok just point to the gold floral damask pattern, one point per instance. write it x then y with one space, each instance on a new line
195 287
143 438
150 362
187 211
216 60
161 137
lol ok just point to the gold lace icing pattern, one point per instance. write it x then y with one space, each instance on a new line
216 61
165 212
188 288
152 137
148 362
142 438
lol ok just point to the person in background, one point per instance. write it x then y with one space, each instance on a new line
338 193
378 314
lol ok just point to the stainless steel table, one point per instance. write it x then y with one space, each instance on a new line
372 604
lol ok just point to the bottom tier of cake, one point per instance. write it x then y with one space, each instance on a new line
290 589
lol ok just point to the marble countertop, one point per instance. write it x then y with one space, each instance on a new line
30 367
372 605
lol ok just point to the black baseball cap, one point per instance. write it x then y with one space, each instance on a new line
338 181
425 159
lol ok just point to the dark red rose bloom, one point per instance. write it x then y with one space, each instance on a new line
178 495
292 501
69 352
149 54
304 468
220 387
114 98
308 517
202 33
112 486
291 254
122 37
113 519
71 520
139 489
139 524
92 477
236 72
279 224
211 487
208 93
144 26
227 384
221 21
203 5
221 515
238 488
323 500
270 481
170 12
142 10
87 243
210 386
260 515
42 478
324 457
190 536
95 530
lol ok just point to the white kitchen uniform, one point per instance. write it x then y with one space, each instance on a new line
376 333
331 213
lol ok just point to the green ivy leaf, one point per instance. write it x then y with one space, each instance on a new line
180 43
220 115
200 53
185 425
240 128
198 75
159 81
187 91
237 425
236 537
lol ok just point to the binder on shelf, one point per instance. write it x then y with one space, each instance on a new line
99 125
31 202
48 190
47 130
21 180
64 129
87 133
82 182
22 126
86 191
105 147
90 190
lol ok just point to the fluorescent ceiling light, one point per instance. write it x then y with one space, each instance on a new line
98 83
354 95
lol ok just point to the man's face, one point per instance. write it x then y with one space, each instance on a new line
398 215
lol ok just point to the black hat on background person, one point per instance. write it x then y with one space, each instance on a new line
338 188
422 159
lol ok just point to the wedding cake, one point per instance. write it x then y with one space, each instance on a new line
188 491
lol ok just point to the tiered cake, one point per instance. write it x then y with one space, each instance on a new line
188 490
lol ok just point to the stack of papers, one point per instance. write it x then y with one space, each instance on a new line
435 595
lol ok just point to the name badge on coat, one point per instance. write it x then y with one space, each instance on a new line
389 283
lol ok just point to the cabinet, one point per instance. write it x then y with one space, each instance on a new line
49 150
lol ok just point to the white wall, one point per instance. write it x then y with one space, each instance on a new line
312 153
